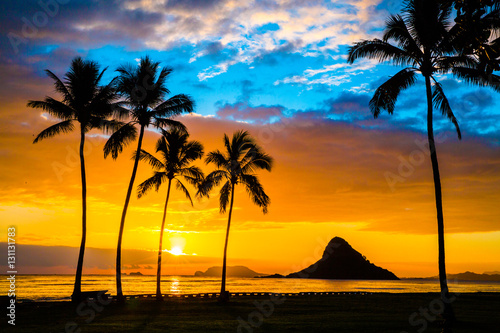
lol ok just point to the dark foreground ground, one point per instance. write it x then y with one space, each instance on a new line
476 312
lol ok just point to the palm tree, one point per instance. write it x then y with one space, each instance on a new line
425 45
86 102
477 25
177 153
236 165
143 88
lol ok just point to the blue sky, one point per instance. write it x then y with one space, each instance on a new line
244 56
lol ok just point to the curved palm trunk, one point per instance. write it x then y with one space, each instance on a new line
448 311
160 249
119 292
224 295
77 290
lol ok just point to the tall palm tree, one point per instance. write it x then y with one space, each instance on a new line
86 102
143 88
425 45
177 153
237 165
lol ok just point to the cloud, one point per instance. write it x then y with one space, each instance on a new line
331 75
234 31
244 112
350 105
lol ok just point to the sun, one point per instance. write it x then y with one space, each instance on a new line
176 251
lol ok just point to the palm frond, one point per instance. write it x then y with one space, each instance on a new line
397 30
445 64
180 186
106 125
54 108
217 157
62 127
477 77
154 181
212 180
120 112
120 139
169 123
381 51
150 159
255 159
193 174
256 191
224 195
60 87
386 95
190 151
440 102
174 106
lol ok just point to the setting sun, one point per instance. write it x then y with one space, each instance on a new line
176 251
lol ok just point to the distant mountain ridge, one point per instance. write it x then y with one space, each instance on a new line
232 271
470 276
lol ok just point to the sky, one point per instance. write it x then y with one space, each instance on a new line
278 69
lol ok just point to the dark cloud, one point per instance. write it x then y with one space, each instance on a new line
247 90
350 105
28 23
193 4
480 98
278 55
242 111
450 84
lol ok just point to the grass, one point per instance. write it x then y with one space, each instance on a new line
476 312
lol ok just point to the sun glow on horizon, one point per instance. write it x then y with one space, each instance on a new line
176 251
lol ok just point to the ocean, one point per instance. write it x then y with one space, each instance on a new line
60 287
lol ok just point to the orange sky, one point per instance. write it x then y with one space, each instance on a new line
329 180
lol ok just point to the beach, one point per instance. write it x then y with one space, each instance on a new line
355 312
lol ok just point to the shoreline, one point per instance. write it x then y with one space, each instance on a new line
211 295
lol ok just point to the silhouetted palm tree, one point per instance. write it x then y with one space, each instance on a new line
424 44
237 165
476 32
86 102
144 89
177 153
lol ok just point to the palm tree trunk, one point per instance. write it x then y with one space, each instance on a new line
448 311
77 290
224 296
160 249
119 292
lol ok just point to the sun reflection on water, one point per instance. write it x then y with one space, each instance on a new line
174 286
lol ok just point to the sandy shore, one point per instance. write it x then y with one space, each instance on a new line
378 312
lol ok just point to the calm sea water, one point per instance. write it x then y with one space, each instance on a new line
60 287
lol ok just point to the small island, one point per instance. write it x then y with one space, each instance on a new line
341 262
231 271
